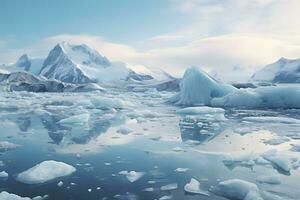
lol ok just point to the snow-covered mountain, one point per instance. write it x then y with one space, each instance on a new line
282 71
24 63
80 64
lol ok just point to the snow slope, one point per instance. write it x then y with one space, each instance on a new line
282 71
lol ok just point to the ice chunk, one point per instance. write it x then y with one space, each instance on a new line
270 179
198 88
45 171
60 183
194 187
7 146
280 161
239 189
8 196
124 130
172 186
200 110
165 197
132 176
3 175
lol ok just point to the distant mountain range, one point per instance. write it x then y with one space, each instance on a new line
79 64
282 71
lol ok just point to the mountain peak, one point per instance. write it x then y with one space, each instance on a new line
24 62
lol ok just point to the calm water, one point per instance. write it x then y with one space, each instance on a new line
160 142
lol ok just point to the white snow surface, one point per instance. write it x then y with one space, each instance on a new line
45 171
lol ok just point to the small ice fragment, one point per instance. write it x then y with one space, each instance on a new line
60 183
150 189
172 186
107 164
3 174
98 188
73 183
151 182
132 176
165 197
181 169
89 190
194 187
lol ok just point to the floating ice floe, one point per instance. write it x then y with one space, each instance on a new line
45 171
3 175
132 176
269 179
7 146
239 190
149 189
181 169
194 187
166 197
267 119
124 130
172 186
281 161
9 196
200 110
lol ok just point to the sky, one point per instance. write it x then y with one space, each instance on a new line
230 39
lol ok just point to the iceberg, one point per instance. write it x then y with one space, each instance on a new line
239 189
194 187
45 171
198 88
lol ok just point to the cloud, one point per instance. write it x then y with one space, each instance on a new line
218 36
